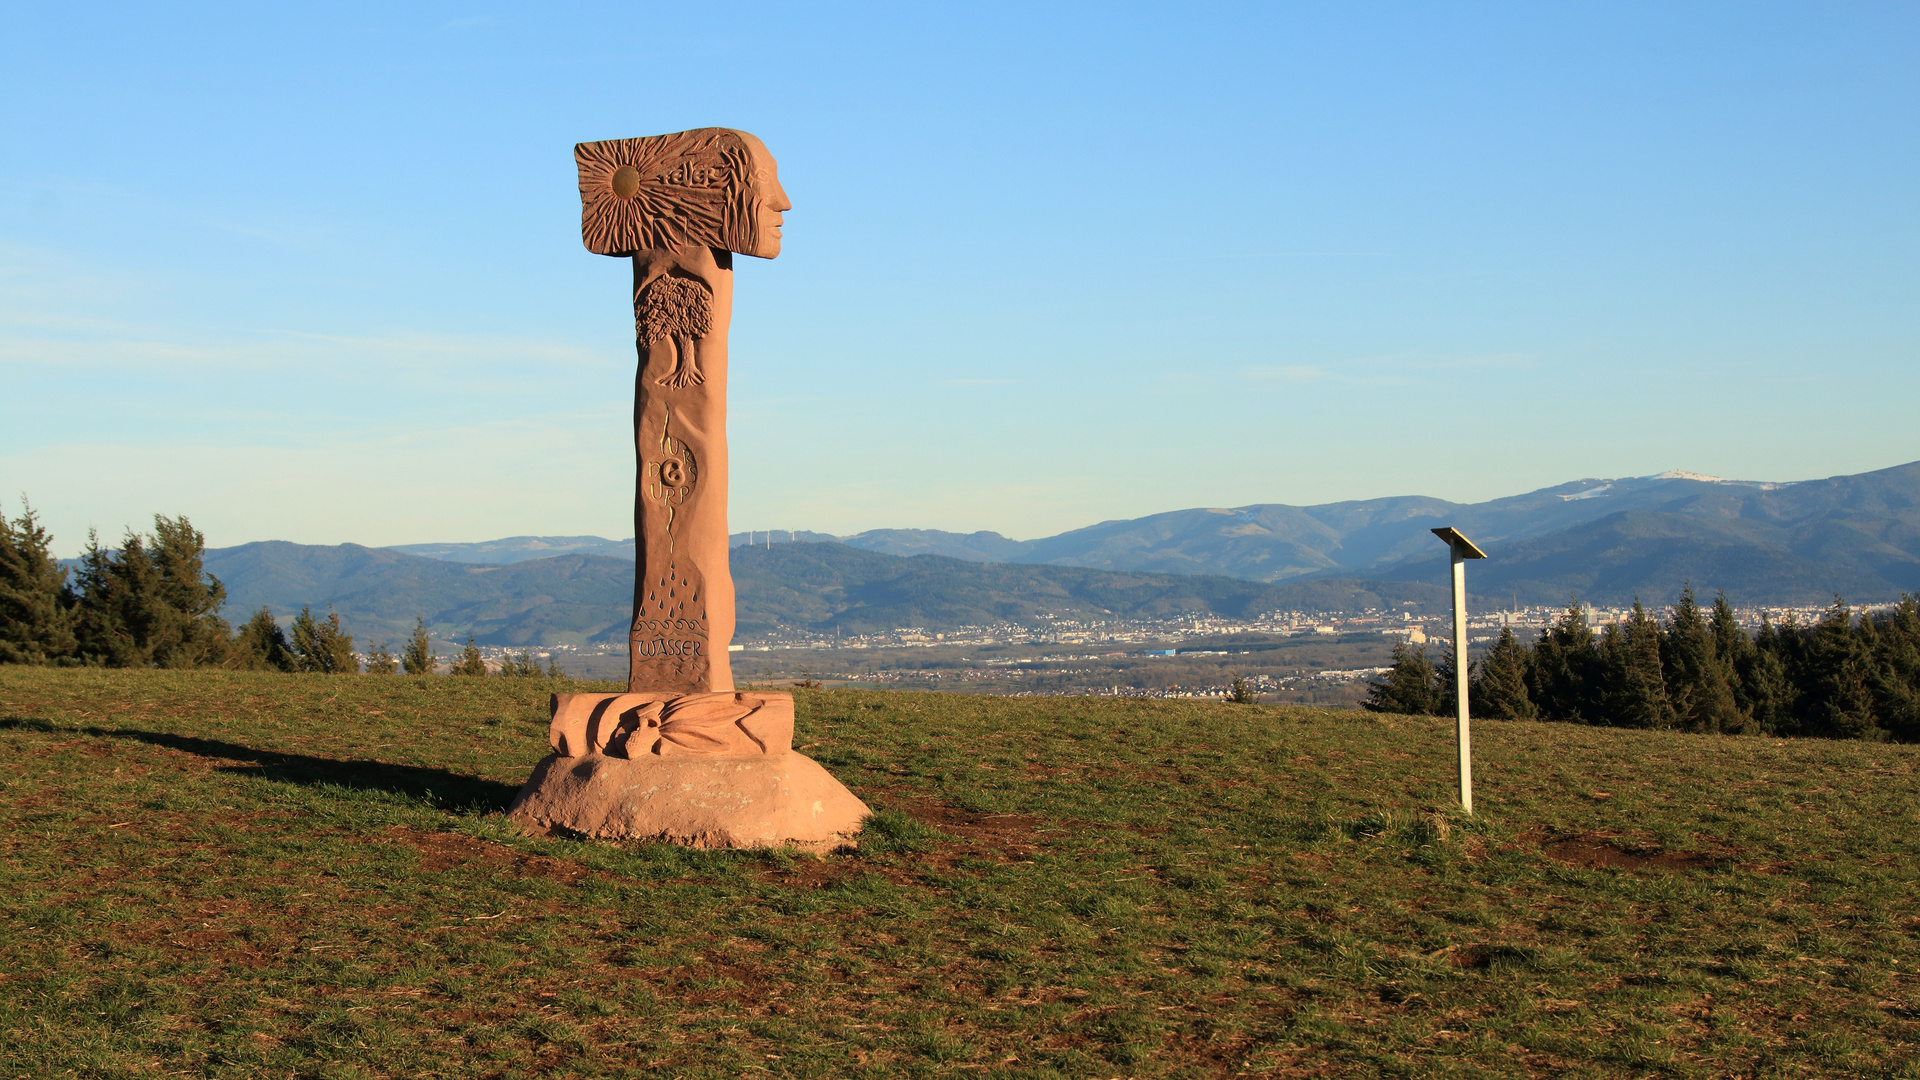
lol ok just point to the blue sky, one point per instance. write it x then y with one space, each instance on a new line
315 274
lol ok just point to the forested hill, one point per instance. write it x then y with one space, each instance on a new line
1648 555
827 586
378 592
1608 540
821 586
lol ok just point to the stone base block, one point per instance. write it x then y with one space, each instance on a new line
766 800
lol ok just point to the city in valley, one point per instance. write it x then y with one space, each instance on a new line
1311 658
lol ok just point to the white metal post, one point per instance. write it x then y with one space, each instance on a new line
1460 675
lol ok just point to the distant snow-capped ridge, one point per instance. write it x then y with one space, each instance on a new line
1679 474
1682 474
1589 493
1607 486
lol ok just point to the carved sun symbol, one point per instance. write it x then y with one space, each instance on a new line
662 192
615 214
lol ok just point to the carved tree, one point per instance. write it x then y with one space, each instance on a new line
679 312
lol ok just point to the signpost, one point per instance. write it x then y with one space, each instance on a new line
1462 549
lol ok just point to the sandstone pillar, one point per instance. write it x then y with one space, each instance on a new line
683 591
681 756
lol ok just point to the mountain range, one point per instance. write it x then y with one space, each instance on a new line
1611 539
1608 541
825 587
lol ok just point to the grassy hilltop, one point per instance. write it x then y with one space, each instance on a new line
237 875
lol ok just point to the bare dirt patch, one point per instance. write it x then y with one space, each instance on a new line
1003 838
442 851
1612 853
715 981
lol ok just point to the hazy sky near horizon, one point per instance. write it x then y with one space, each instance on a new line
314 273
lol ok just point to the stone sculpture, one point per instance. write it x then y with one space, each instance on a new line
682 756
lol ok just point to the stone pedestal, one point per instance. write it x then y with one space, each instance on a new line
705 770
784 800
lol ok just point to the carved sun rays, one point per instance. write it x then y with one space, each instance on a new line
665 192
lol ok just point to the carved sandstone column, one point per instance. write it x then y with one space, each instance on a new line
682 591
680 205
682 757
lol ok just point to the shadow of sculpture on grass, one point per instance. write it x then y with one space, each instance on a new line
450 791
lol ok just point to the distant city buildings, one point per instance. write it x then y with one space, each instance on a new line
1146 639
1054 630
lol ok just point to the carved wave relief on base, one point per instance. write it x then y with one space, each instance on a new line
665 724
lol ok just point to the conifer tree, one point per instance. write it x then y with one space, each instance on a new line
381 661
417 657
187 628
470 662
553 667
1564 676
150 603
1610 667
1636 691
1408 686
261 645
1500 692
1896 670
1835 669
113 618
1240 691
1766 688
305 642
36 623
1698 683
1446 689
319 645
1728 638
339 644
1734 649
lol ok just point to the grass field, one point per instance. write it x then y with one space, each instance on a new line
240 875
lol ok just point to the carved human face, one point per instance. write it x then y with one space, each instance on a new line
769 201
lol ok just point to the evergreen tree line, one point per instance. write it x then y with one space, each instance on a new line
1845 676
152 604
